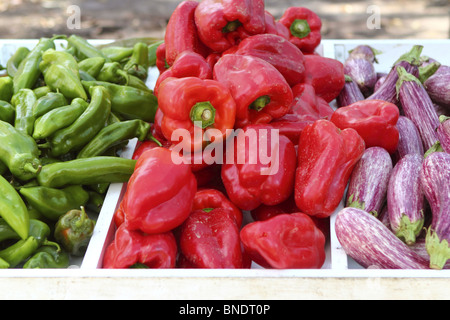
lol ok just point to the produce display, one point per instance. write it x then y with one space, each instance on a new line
248 143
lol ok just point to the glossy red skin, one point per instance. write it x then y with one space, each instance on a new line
181 32
275 27
309 43
131 246
285 241
249 78
176 98
173 187
326 158
161 63
374 120
247 187
211 240
326 75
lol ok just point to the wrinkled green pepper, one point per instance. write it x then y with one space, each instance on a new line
24 101
129 102
83 49
50 101
14 61
41 91
114 134
48 257
6 232
138 63
112 72
19 152
52 203
3 264
92 66
28 72
95 202
86 171
61 73
7 112
74 231
6 88
85 127
135 82
59 118
116 53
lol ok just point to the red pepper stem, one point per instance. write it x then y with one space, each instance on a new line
300 28
260 103
203 112
231 26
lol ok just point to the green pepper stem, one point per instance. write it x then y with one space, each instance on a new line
203 112
260 103
300 28
28 167
231 26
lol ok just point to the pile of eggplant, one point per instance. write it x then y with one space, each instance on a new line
396 213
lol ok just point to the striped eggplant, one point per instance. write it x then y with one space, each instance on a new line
417 106
360 67
349 94
369 181
410 61
438 86
409 139
435 180
370 243
380 80
443 133
405 199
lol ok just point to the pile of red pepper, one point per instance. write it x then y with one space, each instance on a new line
228 64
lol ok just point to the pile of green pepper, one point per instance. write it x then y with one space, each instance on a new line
64 116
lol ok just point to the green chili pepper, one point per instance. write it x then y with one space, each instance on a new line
6 232
14 61
13 209
41 91
112 72
28 72
58 118
86 171
19 152
95 201
50 101
117 54
129 102
24 248
7 112
6 88
61 73
85 127
138 64
135 82
53 203
74 231
83 49
48 257
152 52
114 134
84 76
3 264
24 101
92 66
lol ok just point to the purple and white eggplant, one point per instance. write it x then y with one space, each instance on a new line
409 139
438 86
369 181
371 244
410 61
405 199
435 180
443 133
418 107
349 94
360 67
381 79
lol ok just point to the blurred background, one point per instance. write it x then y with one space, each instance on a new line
118 19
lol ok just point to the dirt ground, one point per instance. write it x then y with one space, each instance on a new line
117 19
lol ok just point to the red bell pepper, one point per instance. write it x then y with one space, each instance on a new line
275 27
135 249
264 212
326 158
374 120
259 89
277 51
223 23
326 75
306 108
251 179
304 26
161 63
181 32
186 103
186 64
172 189
213 199
285 241
211 240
